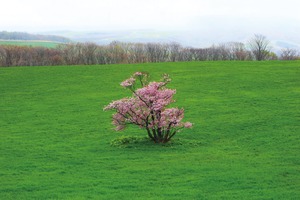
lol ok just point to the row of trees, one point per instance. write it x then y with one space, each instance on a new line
119 52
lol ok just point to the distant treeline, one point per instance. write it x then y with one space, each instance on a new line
4 35
119 52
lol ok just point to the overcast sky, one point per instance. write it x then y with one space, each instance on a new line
107 15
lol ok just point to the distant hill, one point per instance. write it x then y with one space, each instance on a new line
202 32
30 43
4 35
198 38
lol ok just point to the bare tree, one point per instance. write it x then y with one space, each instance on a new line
139 52
175 49
260 47
2 56
238 51
289 54
157 52
89 54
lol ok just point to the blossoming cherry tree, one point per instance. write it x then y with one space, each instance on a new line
147 108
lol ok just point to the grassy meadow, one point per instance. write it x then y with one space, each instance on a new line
32 43
245 143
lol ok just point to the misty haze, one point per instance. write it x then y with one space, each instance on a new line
190 23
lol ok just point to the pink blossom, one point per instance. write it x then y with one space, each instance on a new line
138 74
188 125
128 83
166 78
147 109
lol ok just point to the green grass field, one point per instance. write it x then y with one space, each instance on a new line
36 43
245 143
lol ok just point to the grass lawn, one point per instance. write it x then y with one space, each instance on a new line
245 143
32 43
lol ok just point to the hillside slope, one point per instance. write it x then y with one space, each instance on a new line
4 35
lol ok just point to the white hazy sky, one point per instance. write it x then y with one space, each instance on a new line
106 15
